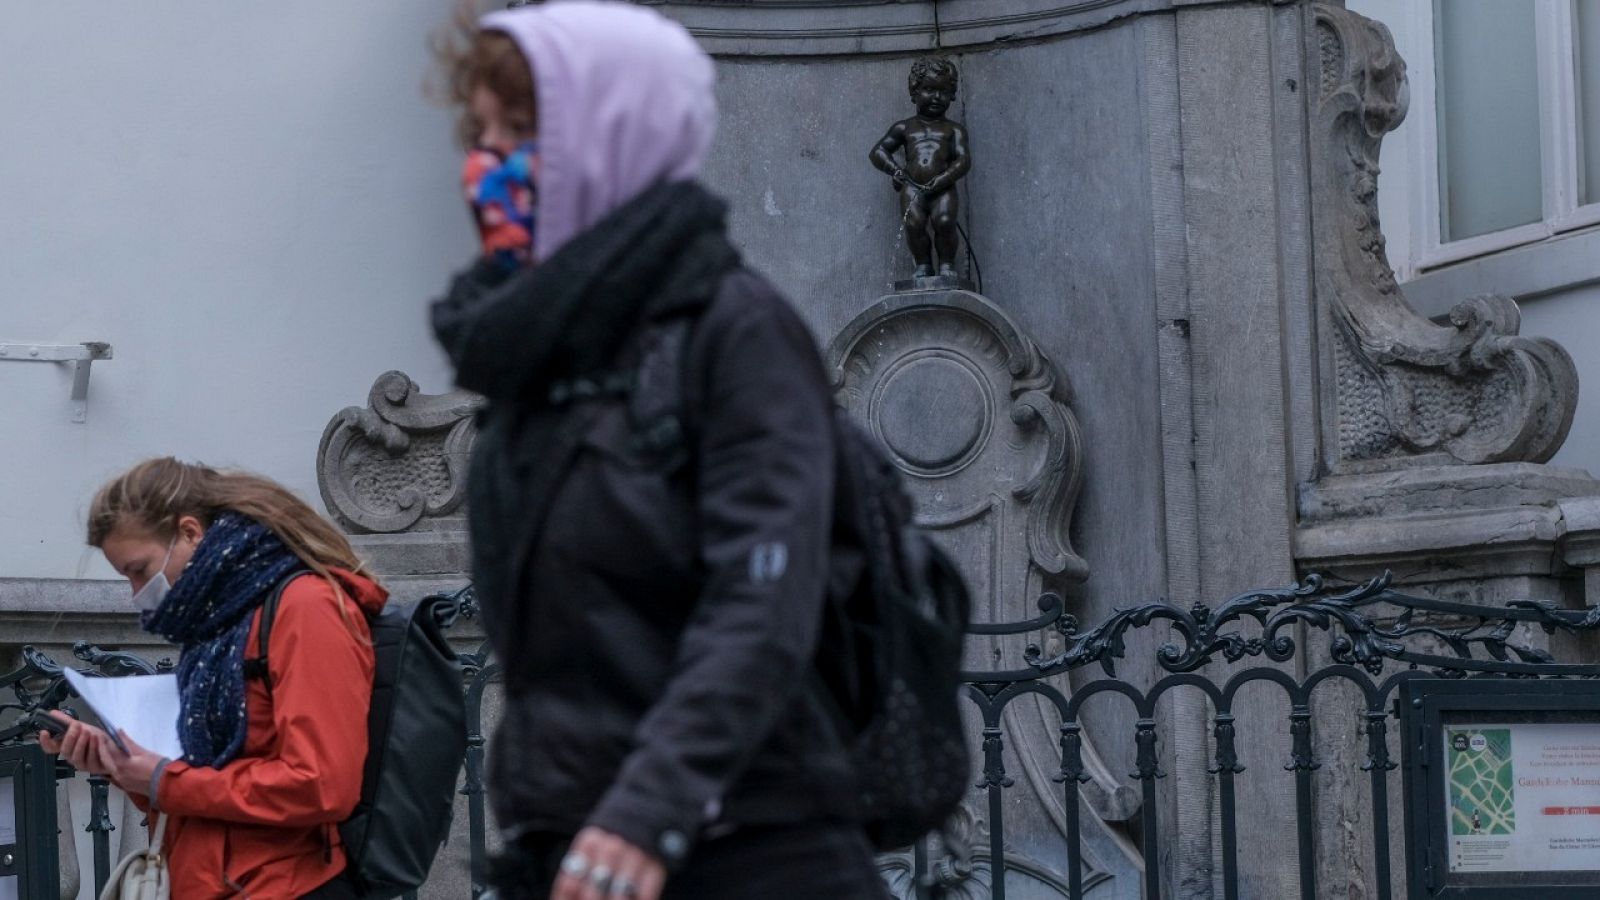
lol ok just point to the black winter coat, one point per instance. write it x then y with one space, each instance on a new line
656 613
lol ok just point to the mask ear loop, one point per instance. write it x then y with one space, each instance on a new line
164 562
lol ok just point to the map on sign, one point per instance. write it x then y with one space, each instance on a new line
1520 796
1482 779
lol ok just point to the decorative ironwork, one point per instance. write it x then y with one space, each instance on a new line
1072 768
1227 755
1376 639
39 684
100 828
480 672
115 664
1301 759
1369 625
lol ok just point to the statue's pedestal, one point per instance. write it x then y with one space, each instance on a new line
932 283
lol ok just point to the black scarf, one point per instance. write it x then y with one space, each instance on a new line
513 337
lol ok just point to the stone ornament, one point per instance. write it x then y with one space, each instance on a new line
974 413
1402 387
776 28
960 866
400 464
980 422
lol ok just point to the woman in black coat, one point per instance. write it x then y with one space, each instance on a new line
651 490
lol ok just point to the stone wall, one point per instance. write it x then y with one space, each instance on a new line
1133 206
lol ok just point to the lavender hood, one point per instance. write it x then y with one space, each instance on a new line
626 101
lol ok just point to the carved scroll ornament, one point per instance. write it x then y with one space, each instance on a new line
1471 391
401 462
967 404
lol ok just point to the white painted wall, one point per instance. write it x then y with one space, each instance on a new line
252 201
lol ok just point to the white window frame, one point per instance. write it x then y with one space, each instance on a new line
1561 156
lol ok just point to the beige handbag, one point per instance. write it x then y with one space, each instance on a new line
142 875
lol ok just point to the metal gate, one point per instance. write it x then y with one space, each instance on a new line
1300 639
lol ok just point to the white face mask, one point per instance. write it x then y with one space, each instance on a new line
147 598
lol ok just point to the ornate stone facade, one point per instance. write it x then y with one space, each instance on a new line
1404 388
393 473
1235 335
850 27
978 420
399 464
1432 434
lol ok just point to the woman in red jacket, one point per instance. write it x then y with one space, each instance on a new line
270 764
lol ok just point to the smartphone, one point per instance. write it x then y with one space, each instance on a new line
39 720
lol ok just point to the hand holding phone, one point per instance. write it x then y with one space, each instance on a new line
41 720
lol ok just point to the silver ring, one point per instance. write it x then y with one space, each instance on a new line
622 887
600 877
575 864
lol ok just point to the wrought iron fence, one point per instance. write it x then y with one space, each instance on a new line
38 684
1375 639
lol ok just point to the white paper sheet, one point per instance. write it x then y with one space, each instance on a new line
145 706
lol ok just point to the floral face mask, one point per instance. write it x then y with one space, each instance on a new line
502 190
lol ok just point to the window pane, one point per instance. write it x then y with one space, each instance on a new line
1588 52
1486 56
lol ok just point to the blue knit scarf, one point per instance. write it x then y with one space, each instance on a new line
208 613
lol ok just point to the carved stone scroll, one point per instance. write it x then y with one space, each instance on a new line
813 28
978 418
399 464
1402 387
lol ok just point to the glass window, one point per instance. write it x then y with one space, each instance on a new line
1487 77
1587 52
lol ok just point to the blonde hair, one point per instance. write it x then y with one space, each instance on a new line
154 494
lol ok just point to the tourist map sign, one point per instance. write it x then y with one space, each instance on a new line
1502 784
1523 797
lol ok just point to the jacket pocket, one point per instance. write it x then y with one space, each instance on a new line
623 513
657 447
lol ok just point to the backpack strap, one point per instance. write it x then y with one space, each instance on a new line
658 405
256 667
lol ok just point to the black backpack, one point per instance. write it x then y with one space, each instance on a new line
889 658
890 653
416 743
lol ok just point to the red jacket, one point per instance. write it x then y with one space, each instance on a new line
265 825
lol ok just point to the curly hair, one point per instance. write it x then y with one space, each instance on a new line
469 58
936 70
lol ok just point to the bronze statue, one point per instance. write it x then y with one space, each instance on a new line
936 157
